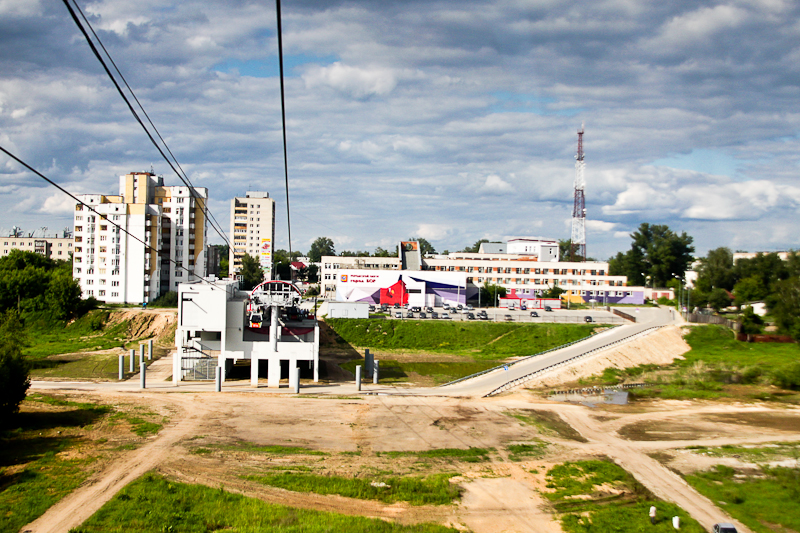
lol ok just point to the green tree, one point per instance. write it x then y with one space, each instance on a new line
380 252
656 251
553 292
63 295
251 272
769 269
475 248
751 322
784 304
313 273
490 292
716 270
281 265
424 246
14 370
719 299
749 290
320 247
564 249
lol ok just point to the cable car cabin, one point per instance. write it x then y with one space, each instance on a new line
256 321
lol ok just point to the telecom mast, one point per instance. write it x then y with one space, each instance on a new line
578 249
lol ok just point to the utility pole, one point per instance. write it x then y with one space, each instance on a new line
578 249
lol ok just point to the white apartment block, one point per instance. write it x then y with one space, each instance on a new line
113 266
253 231
52 247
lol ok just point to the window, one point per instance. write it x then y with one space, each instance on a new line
115 283
101 293
115 295
90 282
102 237
102 282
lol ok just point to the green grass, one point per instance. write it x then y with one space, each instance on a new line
153 504
96 366
250 447
47 336
524 452
33 476
752 454
717 366
548 423
435 489
762 502
601 497
481 340
467 455
392 371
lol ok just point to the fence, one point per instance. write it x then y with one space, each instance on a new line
528 377
626 316
697 318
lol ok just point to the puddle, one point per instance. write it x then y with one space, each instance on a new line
592 397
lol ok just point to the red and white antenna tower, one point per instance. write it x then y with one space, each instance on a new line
578 251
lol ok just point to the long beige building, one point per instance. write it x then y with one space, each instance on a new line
164 245
52 247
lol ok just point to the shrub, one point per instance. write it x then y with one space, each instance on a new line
14 379
787 377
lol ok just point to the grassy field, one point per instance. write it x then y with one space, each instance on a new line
525 452
153 504
718 366
46 336
600 497
435 489
392 371
480 340
765 501
467 455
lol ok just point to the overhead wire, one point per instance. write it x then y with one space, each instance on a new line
103 216
97 54
283 117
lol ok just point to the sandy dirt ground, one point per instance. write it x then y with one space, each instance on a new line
499 495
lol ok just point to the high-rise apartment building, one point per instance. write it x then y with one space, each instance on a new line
253 231
113 266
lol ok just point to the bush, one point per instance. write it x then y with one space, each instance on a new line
169 299
14 378
787 377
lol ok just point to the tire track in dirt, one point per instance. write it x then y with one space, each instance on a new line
661 481
75 508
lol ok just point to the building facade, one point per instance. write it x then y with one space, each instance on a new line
252 231
52 247
524 276
170 221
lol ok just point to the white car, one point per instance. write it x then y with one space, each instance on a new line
445 315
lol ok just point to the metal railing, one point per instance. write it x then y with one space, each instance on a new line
527 377
515 362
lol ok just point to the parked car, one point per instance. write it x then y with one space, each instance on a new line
470 316
422 314
724 528
587 318
445 315
547 308
416 309
384 308
459 307
508 318
429 309
434 315
398 314
371 307
446 307
410 315
534 314
397 306
469 307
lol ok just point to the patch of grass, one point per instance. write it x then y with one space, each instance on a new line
435 489
601 497
763 502
273 450
548 423
752 454
468 455
142 427
47 336
392 371
100 366
523 452
481 340
153 504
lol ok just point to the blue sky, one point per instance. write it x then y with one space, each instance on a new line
453 121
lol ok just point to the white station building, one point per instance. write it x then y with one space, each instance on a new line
219 325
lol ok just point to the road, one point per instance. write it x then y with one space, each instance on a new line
647 317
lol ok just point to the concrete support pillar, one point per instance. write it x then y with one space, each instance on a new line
358 377
375 373
297 380
133 358
176 365
316 353
150 349
274 369
274 329
253 370
142 373
368 362
121 367
221 364
218 379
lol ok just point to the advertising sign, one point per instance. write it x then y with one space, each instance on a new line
266 256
